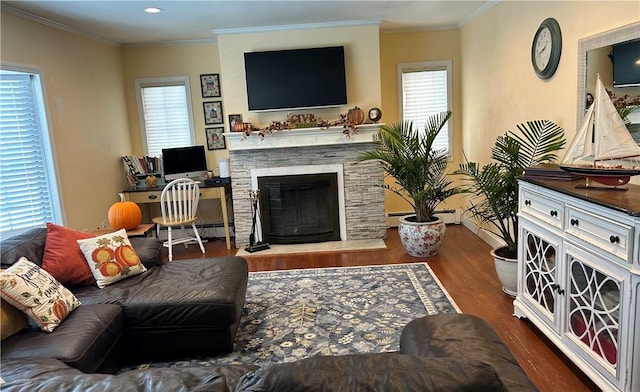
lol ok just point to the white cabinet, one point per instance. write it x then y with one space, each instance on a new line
579 276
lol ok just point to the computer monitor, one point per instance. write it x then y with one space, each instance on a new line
184 162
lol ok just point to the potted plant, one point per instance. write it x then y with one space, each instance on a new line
408 156
494 204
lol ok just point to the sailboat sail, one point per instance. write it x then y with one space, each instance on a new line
602 136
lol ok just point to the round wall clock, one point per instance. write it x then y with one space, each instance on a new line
546 48
375 114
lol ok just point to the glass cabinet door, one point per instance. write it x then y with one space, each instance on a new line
540 275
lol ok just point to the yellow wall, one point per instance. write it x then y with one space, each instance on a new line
396 48
86 107
362 62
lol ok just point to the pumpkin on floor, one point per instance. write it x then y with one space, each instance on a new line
124 214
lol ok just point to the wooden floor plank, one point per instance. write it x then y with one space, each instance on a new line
465 269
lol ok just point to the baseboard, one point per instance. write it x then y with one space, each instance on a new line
487 237
449 217
206 230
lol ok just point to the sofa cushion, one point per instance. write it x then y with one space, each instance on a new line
34 291
148 249
463 337
63 258
111 257
29 244
12 319
372 372
84 341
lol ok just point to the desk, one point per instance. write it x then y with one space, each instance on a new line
145 195
142 230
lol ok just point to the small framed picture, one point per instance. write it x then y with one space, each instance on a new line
210 84
235 122
213 112
215 140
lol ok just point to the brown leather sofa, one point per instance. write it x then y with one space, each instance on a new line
176 310
447 352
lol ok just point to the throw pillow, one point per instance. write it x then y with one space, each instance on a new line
12 320
111 257
34 291
63 258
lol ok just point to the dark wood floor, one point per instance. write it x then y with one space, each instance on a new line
465 269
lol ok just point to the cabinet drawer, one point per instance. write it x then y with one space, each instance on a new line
543 208
145 197
612 237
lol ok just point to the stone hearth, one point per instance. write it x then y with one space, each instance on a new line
363 214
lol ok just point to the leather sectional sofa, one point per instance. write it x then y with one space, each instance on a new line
447 352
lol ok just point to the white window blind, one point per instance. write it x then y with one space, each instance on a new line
425 92
166 109
27 196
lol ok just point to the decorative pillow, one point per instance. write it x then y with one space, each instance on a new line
12 320
63 258
111 257
34 291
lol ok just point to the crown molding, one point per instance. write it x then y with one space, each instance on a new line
477 13
306 26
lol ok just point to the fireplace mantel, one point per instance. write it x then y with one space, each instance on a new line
300 138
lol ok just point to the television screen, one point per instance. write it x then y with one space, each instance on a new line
298 78
626 64
183 162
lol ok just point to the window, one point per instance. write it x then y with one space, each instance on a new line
164 106
425 89
28 191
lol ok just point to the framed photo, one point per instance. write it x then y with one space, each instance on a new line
210 84
215 140
213 112
234 120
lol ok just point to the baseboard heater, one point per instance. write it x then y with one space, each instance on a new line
206 230
451 216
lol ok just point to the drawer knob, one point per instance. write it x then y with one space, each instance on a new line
556 287
527 202
574 222
614 239
553 213
153 197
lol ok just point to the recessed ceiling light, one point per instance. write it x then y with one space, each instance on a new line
153 10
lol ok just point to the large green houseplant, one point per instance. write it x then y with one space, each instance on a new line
494 186
420 172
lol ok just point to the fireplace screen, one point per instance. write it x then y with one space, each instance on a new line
299 208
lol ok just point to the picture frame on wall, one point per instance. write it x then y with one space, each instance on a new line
213 112
215 140
235 122
210 84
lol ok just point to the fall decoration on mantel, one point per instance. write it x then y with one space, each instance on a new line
348 121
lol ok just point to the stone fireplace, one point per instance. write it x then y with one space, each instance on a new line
360 197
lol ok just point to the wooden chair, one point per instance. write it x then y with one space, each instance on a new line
179 203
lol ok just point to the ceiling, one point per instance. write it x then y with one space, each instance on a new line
125 23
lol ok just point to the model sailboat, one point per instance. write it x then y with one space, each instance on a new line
603 149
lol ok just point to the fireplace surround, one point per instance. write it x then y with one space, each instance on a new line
307 151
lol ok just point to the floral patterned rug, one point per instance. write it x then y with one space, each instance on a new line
294 314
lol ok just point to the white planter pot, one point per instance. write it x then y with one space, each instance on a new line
507 271
421 239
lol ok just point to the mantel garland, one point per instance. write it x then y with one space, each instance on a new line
349 126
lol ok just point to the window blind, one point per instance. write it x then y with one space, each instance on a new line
166 117
25 196
424 93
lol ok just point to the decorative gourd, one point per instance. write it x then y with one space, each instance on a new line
355 116
124 214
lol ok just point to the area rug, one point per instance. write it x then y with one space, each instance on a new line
294 314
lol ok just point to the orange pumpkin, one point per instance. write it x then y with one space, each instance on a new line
110 269
356 116
124 214
60 309
126 256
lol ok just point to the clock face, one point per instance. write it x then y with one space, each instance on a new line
546 48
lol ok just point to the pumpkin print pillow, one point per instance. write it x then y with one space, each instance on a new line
38 294
111 257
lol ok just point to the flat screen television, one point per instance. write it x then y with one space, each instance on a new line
626 64
296 78
183 162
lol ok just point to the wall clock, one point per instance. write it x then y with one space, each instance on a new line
375 114
546 48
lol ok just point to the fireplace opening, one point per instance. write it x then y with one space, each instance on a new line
299 209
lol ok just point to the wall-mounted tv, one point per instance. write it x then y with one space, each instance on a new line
296 78
626 64
183 162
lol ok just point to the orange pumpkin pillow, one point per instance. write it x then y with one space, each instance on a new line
111 257
63 258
